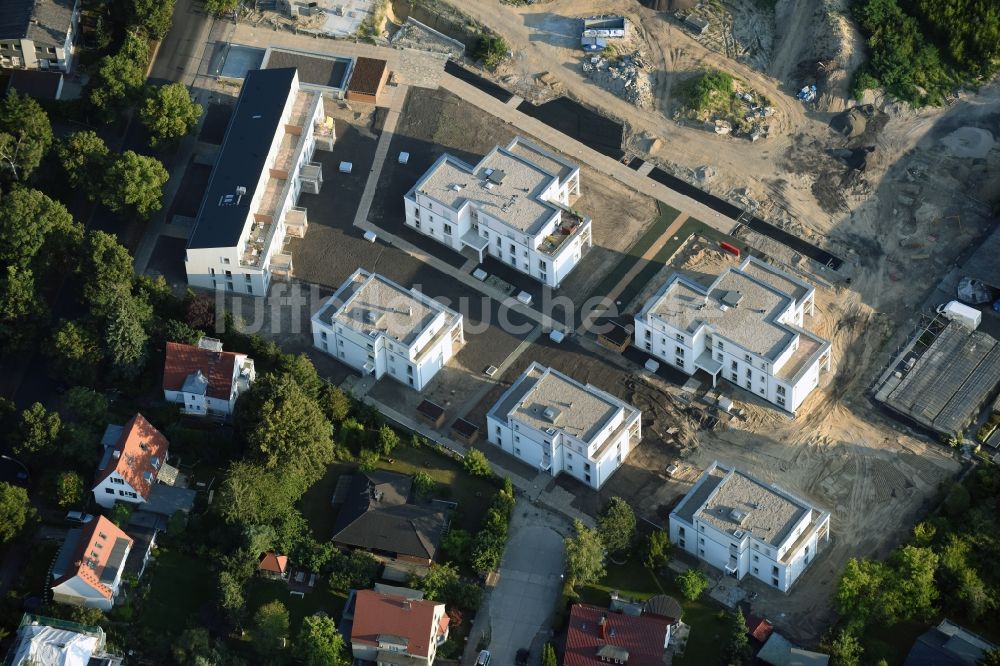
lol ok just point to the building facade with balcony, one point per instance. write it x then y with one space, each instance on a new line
38 34
558 425
743 526
745 327
249 211
381 328
514 205
203 379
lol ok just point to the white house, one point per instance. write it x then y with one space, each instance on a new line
49 641
134 457
265 163
88 569
514 205
745 327
558 425
205 380
38 34
743 526
380 328
397 629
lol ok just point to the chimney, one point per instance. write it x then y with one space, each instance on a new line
406 604
602 627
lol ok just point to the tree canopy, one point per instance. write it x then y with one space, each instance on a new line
693 584
270 629
36 231
320 644
14 511
134 183
84 156
476 464
153 15
107 272
120 76
616 525
169 113
39 431
25 135
584 556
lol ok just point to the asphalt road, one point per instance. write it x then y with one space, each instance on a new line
182 49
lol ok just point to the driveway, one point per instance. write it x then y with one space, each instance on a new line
530 582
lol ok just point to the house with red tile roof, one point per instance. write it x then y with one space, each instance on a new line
205 380
597 637
135 456
88 569
759 629
396 629
272 565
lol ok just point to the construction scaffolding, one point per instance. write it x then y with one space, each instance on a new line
942 378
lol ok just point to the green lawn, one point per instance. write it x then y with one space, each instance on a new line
259 591
706 642
664 218
179 586
473 494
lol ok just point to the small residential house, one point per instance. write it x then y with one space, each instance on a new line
513 205
743 526
377 516
597 637
135 455
38 34
380 328
948 645
558 425
205 380
272 565
88 569
45 641
392 629
746 327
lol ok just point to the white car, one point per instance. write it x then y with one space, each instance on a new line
484 658
79 517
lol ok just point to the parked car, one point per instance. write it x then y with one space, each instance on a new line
522 657
484 658
79 517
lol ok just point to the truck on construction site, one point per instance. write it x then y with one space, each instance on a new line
960 312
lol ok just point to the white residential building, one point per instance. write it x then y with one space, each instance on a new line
742 526
38 34
380 328
88 569
514 205
135 455
205 380
265 163
745 327
558 425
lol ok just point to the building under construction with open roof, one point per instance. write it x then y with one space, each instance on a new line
943 378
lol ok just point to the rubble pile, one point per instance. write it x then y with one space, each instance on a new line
625 76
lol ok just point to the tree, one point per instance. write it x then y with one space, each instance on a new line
738 651
126 339
107 272
76 353
231 597
386 440
270 629
178 331
39 430
357 570
36 231
121 513
457 545
336 404
476 464
134 183
86 406
153 15
692 584
14 511
845 650
549 655
168 112
301 369
68 489
616 525
220 6
320 644
20 310
119 76
656 550
584 556
443 583
423 484
923 533
84 156
253 495
991 658
25 135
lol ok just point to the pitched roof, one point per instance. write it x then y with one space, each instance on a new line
947 645
375 516
271 561
397 619
93 553
217 367
759 628
642 638
137 456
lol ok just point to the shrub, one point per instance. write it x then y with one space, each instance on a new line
692 583
492 49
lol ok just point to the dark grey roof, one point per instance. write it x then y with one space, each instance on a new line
168 500
142 538
67 554
255 121
314 69
375 516
663 606
115 560
51 24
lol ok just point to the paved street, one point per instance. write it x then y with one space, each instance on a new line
530 583
181 51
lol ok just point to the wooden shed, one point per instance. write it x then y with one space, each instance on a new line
367 80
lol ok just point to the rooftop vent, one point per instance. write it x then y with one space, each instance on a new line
737 515
456 187
731 298
739 534
551 414
496 176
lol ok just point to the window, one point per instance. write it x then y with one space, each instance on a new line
781 390
681 543
774 570
774 581
680 531
649 334
569 467
541 265
517 439
322 335
679 350
679 362
225 260
747 358
756 559
719 344
110 491
734 365
701 551
447 229
719 357
517 450
749 384
587 477
249 288
680 338
513 250
781 401
586 468
229 275
247 276
122 493
749 373
734 377
211 271
117 480
756 571
229 286
701 540
649 346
